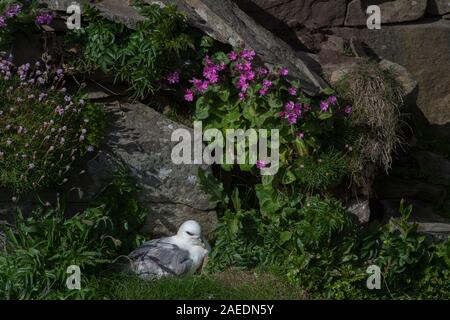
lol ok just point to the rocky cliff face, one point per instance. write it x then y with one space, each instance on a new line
414 34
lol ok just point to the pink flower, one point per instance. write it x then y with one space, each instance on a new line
242 96
232 56
289 106
267 83
211 73
189 95
173 78
284 72
263 71
44 18
348 110
292 118
324 106
3 23
200 86
263 91
292 91
248 54
260 164
332 100
301 135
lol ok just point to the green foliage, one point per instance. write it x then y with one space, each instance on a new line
400 249
44 132
139 57
314 242
40 248
124 209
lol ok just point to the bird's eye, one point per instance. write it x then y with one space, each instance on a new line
191 234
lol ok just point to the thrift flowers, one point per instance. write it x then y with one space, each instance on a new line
43 131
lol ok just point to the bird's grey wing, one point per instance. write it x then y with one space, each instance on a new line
157 258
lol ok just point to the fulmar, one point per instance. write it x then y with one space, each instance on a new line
181 254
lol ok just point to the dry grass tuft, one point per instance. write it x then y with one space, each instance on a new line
376 98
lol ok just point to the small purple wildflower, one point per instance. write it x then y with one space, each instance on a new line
189 95
44 18
3 23
292 91
173 77
260 164
233 56
284 72
13 10
332 100
348 110
324 106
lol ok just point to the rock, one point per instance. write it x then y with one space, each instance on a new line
61 5
434 226
140 138
335 66
433 165
438 7
391 11
26 48
309 13
396 188
436 231
405 78
119 11
361 209
424 50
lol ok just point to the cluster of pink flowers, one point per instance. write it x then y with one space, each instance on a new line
38 145
44 17
242 69
211 75
10 12
292 111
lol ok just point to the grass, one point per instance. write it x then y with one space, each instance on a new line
376 98
229 285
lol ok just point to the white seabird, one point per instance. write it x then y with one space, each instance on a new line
181 254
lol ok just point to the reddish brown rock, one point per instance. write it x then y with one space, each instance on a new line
391 11
309 13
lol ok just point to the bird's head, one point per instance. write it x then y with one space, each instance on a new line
190 231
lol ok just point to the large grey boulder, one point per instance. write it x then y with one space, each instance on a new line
140 138
391 11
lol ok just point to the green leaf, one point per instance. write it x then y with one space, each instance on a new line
288 177
213 187
235 199
202 109
328 91
325 115
268 201
284 237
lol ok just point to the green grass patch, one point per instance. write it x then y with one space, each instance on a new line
227 285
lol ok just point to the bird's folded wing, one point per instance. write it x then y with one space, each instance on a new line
160 258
